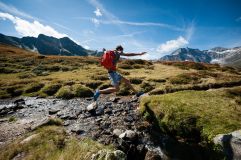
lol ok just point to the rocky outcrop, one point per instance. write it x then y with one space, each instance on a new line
231 144
109 155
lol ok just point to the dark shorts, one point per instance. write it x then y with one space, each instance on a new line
115 78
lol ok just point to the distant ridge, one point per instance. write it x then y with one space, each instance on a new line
225 56
47 45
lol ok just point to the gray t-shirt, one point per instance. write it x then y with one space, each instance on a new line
117 58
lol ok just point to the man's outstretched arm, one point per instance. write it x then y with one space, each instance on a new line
133 54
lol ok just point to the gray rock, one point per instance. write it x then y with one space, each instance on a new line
108 111
54 110
41 122
109 155
128 119
128 134
231 144
99 111
114 99
117 132
117 110
26 140
91 106
78 129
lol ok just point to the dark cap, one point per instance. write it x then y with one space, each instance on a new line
119 47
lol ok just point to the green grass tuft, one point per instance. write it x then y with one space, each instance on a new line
34 87
82 91
52 142
51 89
65 93
191 113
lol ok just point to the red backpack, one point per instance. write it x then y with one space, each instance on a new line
107 60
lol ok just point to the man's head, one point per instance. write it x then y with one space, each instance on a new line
119 48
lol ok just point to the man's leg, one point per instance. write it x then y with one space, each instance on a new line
116 88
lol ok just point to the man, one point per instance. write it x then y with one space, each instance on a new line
115 77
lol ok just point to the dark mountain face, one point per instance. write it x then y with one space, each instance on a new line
47 45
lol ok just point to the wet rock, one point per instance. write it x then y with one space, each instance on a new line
117 132
108 111
91 107
19 101
129 135
109 155
117 110
108 104
66 123
54 110
79 129
128 119
105 125
67 115
114 99
98 119
99 111
231 144
152 156
39 123
120 102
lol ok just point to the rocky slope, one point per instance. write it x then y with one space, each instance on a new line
224 56
47 45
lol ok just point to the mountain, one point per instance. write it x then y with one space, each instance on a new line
224 56
188 54
47 45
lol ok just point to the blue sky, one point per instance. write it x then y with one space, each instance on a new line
157 26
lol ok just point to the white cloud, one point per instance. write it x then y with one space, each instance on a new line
26 28
98 12
172 45
86 46
14 11
95 21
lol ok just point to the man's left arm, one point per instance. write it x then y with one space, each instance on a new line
132 54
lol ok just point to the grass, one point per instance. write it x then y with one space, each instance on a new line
65 92
12 119
51 89
34 87
52 142
54 72
194 114
82 91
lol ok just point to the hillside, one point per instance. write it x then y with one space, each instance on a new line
188 104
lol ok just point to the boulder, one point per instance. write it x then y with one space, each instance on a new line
117 132
109 155
231 144
91 107
129 135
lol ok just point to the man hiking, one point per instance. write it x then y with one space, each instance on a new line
109 61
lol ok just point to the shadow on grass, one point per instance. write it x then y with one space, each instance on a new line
175 149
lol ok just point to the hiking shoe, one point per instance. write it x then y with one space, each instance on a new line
96 95
138 94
